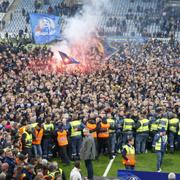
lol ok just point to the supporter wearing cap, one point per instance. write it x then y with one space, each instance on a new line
159 144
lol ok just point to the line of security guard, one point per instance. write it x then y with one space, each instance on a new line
107 129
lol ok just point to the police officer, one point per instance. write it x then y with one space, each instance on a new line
142 134
112 136
173 127
26 141
159 144
128 154
75 128
128 125
47 137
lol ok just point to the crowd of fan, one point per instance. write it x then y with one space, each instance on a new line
137 82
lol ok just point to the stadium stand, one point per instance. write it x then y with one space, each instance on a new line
126 18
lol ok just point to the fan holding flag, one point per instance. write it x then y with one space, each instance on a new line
67 59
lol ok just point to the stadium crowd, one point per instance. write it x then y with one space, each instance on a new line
43 114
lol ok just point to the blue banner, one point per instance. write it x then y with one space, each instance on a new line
142 175
45 28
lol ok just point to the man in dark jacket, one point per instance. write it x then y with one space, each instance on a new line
11 162
88 152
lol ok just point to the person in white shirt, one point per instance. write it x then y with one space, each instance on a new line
75 172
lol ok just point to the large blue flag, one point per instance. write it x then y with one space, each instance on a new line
45 28
68 60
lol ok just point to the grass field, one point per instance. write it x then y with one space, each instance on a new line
145 162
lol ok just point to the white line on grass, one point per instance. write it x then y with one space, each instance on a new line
109 166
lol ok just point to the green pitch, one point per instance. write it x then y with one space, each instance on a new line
145 162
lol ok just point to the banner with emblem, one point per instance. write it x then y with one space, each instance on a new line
45 28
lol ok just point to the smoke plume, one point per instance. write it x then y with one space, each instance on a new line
85 23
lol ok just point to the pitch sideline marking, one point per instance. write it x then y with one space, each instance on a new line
109 167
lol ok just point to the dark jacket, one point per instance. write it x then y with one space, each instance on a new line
11 163
88 149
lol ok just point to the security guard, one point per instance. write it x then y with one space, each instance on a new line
153 120
142 134
75 128
103 136
21 130
62 141
128 154
37 135
178 137
112 136
92 127
47 137
26 141
163 122
159 144
173 127
33 125
128 125
119 123
55 172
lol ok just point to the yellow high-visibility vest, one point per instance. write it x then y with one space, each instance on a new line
75 124
158 143
173 124
112 123
128 124
144 125
28 140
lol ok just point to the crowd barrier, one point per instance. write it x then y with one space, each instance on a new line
142 175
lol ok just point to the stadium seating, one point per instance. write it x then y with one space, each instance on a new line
135 9
2 14
19 22
120 9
